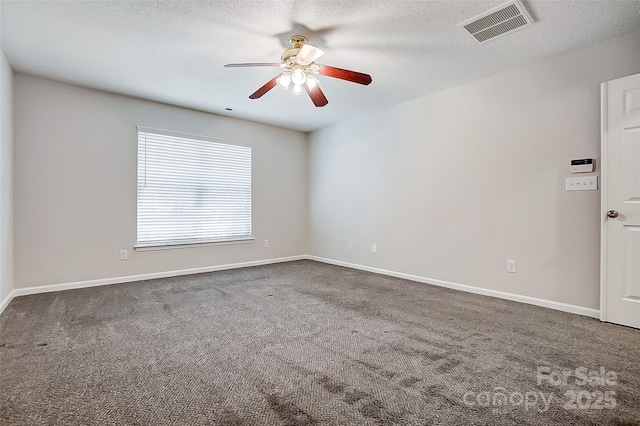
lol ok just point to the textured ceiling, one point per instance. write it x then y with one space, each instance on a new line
174 52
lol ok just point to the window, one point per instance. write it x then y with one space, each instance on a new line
192 189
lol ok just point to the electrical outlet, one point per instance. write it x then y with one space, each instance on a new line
511 266
350 245
266 243
374 248
124 254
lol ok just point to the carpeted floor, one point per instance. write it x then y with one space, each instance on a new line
304 343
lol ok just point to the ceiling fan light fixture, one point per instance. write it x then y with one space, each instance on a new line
312 82
284 80
298 77
297 89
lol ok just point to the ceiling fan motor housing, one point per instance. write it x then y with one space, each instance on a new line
289 53
297 41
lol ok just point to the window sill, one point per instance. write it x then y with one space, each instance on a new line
191 245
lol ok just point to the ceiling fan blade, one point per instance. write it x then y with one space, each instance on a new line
317 96
253 64
355 77
309 53
264 89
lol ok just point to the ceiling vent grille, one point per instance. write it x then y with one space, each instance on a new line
501 20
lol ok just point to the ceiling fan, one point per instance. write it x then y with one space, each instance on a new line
300 69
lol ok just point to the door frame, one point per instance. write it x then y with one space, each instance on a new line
604 182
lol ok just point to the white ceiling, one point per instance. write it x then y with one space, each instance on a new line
174 52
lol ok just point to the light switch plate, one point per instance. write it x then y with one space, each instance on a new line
582 183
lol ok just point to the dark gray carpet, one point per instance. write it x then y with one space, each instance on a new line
304 343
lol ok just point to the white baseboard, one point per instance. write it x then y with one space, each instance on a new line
574 309
118 280
580 310
5 302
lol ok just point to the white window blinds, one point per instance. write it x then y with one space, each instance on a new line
191 190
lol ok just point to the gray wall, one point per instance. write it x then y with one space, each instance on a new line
451 185
6 179
75 185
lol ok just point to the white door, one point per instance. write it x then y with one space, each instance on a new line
620 253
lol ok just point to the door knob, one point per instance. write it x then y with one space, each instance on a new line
612 214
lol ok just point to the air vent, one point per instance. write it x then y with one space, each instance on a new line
501 20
